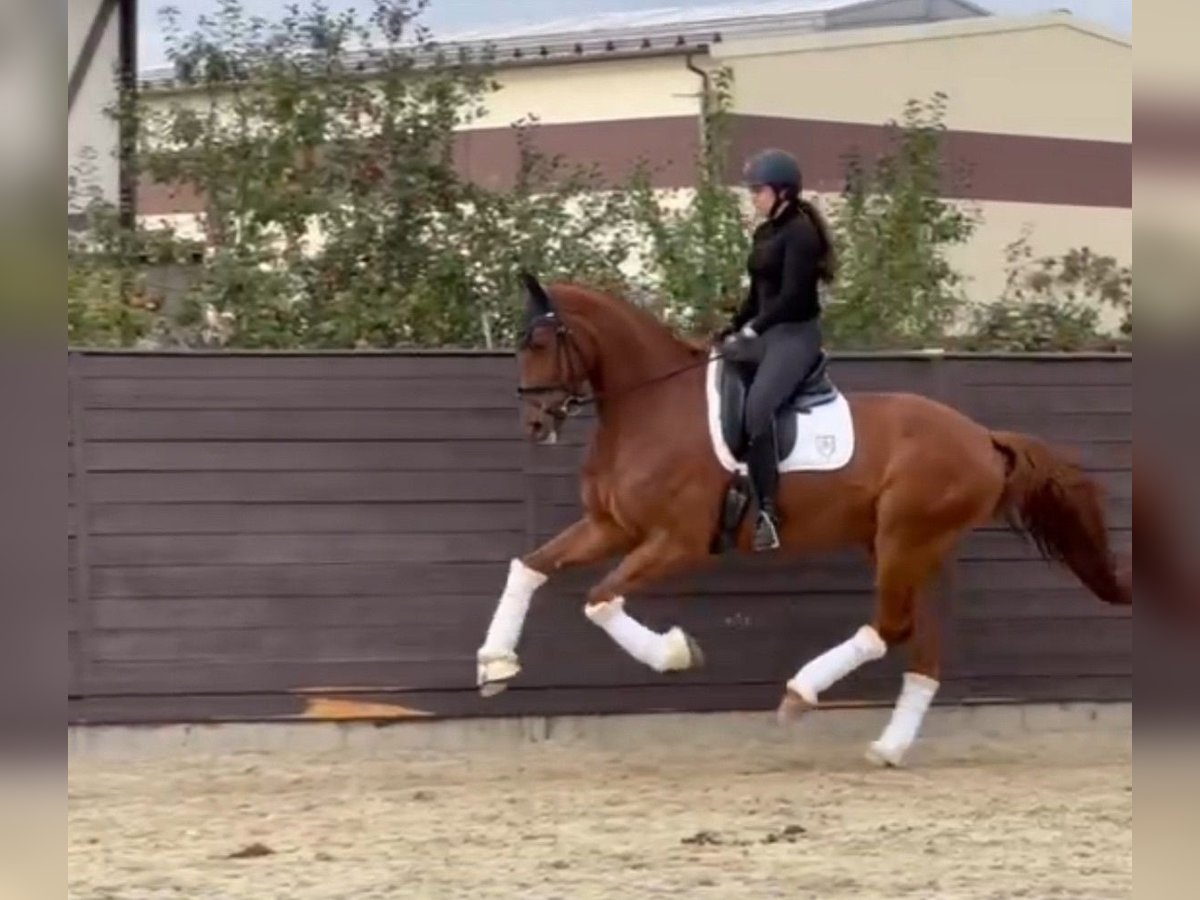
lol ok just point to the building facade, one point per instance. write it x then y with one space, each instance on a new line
1039 108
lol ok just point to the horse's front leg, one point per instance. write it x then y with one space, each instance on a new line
587 541
672 651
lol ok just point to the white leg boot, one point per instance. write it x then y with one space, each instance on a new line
497 658
907 716
668 652
836 663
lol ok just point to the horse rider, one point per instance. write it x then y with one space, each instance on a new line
777 333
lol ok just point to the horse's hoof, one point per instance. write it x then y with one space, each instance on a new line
883 757
694 651
494 674
492 688
682 651
791 708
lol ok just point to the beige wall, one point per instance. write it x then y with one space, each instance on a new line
593 92
1039 79
1056 229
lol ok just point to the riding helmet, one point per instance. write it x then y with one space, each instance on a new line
776 168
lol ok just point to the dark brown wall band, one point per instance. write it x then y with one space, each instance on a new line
1004 167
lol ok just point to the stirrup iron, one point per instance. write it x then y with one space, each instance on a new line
766 533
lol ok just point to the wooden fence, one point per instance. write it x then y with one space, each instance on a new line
281 536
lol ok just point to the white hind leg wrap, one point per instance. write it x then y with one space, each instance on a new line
912 704
836 663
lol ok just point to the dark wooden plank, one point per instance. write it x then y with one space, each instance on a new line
1019 575
291 549
159 613
293 366
303 518
1117 371
1051 399
1061 427
285 425
79 561
1067 687
188 665
1102 455
289 487
182 708
1003 667
296 456
411 706
76 663
75 618
220 392
1051 648
179 677
389 580
1065 635
997 544
869 376
1016 607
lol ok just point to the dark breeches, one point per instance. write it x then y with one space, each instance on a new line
780 359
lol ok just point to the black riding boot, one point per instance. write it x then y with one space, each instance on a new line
762 461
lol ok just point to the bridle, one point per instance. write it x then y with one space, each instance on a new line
567 351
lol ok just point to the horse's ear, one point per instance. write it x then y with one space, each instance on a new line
539 301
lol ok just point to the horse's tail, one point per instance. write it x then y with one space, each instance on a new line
1049 497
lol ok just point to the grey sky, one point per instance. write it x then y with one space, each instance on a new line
446 16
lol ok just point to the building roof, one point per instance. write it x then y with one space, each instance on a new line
673 29
741 19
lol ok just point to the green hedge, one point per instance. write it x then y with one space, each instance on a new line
344 125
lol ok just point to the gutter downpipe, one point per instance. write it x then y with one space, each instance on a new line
705 96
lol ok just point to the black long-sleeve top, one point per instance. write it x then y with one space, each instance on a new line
783 263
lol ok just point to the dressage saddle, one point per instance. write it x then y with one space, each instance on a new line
815 389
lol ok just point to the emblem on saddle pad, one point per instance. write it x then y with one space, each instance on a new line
826 445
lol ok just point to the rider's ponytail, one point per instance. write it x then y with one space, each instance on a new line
827 267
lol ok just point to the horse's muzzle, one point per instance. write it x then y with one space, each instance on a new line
543 428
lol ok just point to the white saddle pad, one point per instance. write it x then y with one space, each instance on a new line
824 435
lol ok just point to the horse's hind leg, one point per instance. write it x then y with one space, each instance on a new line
903 568
907 611
584 542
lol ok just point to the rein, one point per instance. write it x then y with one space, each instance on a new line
568 351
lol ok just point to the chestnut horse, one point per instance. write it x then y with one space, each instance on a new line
653 488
